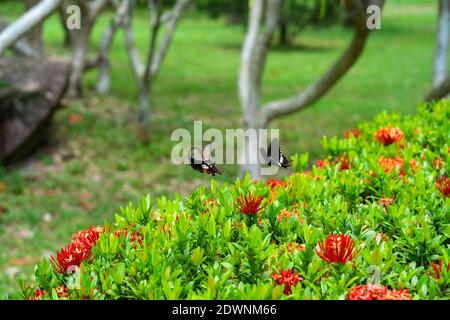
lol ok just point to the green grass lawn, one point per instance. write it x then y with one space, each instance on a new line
95 165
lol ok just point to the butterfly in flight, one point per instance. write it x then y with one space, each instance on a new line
200 160
278 158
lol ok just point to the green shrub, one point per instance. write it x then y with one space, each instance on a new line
369 221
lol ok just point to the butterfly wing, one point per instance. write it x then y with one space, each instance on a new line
275 155
196 159
284 161
206 152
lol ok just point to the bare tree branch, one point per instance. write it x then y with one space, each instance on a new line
26 23
155 7
171 18
316 90
133 54
103 83
20 47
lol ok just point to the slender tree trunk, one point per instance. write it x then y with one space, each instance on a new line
79 60
263 20
284 34
440 68
104 82
89 11
69 37
248 155
35 36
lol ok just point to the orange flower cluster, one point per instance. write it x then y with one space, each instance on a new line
284 214
352 132
274 183
321 163
390 164
134 235
77 251
388 135
288 278
377 292
295 247
438 163
386 201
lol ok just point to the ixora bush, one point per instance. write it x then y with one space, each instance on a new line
370 221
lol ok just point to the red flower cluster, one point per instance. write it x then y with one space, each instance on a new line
134 235
62 292
377 292
77 251
321 163
337 248
250 204
443 185
353 132
288 278
38 294
89 236
437 268
389 135
344 162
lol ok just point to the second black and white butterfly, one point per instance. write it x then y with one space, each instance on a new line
277 158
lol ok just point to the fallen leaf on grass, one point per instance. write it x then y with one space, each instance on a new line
75 118
86 205
2 186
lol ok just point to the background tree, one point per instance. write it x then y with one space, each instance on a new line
145 71
263 20
441 81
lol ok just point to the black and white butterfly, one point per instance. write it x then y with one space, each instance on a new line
200 160
278 159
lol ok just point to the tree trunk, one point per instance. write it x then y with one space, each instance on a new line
104 81
79 60
440 69
144 114
284 34
248 154
35 36
69 37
